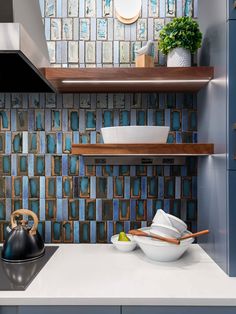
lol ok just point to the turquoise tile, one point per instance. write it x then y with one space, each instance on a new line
2 142
17 143
141 210
34 187
101 187
2 210
51 187
39 166
74 120
118 187
124 118
73 210
39 120
153 187
107 210
56 231
84 187
23 165
5 120
68 232
34 206
108 118
84 230
175 120
17 187
76 231
135 186
90 120
6 165
33 143
50 209
124 210
51 143
141 118
56 120
90 210
169 187
101 232
160 118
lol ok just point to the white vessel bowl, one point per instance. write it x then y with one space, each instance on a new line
135 134
165 231
161 218
162 251
177 223
124 246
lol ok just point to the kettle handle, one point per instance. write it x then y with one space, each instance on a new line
28 213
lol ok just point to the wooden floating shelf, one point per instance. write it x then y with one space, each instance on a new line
117 80
143 149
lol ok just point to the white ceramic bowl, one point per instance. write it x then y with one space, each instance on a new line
177 223
135 134
162 251
161 218
124 246
165 231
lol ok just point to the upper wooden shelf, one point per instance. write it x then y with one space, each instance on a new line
115 80
143 149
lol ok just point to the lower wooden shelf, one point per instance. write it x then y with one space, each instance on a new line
143 149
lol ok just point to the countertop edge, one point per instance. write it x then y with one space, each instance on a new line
116 302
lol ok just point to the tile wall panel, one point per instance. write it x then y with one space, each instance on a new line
88 204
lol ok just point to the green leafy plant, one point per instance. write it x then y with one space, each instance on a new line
180 32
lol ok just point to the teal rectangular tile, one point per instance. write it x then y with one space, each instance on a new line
169 187
84 230
135 187
51 143
101 187
34 187
90 120
73 209
90 209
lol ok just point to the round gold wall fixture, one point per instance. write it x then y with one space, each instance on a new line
127 11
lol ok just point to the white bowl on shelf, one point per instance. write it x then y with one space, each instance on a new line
135 134
165 231
162 251
124 246
161 218
177 223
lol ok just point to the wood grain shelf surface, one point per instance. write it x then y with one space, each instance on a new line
115 80
143 149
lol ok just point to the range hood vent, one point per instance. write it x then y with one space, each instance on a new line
23 48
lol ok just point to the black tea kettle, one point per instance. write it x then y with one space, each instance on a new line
23 243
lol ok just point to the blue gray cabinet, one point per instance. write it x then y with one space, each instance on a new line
177 310
60 310
231 9
216 124
231 95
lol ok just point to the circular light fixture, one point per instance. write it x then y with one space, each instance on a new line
127 11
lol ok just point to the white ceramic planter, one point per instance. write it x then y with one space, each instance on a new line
179 57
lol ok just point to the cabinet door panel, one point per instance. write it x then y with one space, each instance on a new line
68 310
8 309
177 310
231 94
231 8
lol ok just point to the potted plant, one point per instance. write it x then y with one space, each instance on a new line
178 40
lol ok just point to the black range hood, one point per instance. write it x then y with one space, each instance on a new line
23 48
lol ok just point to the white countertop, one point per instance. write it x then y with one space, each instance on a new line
84 274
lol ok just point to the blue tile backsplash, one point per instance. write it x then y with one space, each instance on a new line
83 203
